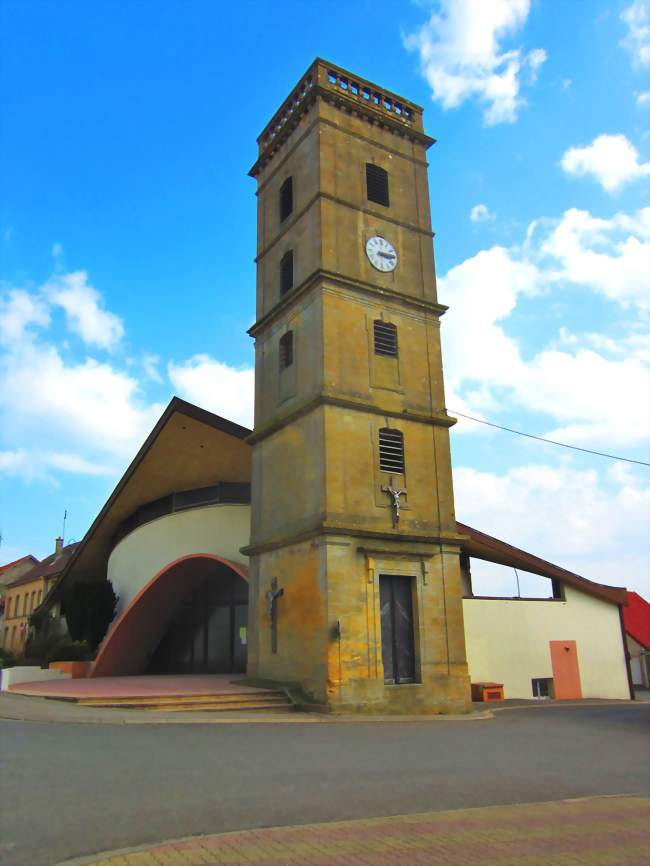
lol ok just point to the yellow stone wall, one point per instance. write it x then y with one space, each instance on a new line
320 523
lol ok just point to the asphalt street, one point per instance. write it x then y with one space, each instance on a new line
75 789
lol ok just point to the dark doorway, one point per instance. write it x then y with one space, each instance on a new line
208 632
397 645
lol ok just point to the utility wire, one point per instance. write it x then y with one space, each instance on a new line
549 441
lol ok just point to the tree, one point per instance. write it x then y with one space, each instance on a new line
89 609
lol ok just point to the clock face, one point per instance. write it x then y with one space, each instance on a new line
382 254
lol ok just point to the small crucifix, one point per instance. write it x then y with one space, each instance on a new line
272 597
394 494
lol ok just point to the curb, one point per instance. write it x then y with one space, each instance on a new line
99 856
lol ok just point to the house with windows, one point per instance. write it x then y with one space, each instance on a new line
322 547
26 591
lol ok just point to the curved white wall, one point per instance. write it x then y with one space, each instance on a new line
218 529
508 642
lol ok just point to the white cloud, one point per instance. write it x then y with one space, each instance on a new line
566 379
566 516
88 405
481 213
637 40
643 97
461 55
215 386
82 305
34 465
612 160
609 256
18 311
58 414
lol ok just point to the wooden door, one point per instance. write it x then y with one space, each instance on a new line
397 644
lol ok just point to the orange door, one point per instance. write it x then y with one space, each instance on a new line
566 671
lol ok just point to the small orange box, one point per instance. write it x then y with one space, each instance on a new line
487 692
77 670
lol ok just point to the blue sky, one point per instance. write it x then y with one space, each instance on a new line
127 231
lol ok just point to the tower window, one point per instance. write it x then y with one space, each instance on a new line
377 184
385 339
286 350
286 199
286 272
391 451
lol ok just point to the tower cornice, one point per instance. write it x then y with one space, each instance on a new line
347 92
340 280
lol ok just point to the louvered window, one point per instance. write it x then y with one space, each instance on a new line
286 272
286 199
385 339
391 451
286 350
377 183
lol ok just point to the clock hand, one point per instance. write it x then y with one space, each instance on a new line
390 256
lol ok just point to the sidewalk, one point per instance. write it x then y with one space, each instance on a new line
597 831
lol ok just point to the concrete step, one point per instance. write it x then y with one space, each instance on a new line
224 708
227 701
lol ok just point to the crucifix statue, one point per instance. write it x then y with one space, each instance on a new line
394 494
272 597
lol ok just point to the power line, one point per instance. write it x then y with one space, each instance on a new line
549 441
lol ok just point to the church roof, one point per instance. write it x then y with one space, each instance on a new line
483 546
189 447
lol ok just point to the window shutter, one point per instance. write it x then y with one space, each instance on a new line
286 272
391 451
377 184
286 198
286 350
385 339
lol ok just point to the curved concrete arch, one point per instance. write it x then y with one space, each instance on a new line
221 529
139 628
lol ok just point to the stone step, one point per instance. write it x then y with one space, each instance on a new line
224 708
224 701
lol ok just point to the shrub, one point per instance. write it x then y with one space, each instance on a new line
89 609
7 658
68 651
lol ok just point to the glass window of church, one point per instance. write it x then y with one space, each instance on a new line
286 272
377 184
391 451
286 198
385 338
286 350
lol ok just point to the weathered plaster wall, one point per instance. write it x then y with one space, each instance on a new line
508 642
218 529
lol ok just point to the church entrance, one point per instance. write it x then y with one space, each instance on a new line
397 644
208 631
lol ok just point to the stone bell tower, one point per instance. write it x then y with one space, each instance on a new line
355 589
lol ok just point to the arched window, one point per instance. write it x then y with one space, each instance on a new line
286 272
391 451
377 184
286 350
286 199
385 338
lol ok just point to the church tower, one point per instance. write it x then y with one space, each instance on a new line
355 590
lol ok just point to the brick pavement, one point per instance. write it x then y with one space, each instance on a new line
596 831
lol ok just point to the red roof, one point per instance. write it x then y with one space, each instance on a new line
52 564
636 617
10 565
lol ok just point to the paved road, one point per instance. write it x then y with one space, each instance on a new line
70 790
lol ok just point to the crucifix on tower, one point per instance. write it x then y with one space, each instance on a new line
272 597
394 494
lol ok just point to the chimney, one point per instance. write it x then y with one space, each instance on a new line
58 546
